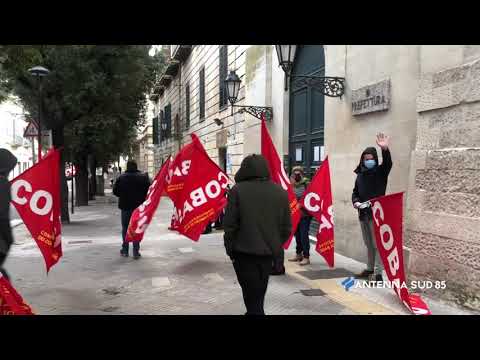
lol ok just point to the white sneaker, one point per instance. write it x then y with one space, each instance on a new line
297 258
305 261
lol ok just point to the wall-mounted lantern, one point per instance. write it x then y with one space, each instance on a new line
233 83
327 85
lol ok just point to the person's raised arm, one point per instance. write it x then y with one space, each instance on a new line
383 141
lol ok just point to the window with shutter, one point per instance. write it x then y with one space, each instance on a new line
160 122
156 137
168 120
201 93
223 72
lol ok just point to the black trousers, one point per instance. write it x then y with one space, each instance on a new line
278 262
302 237
126 215
6 241
252 274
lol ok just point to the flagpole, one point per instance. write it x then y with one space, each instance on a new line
39 120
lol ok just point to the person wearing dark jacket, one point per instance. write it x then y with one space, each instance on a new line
7 163
371 182
257 223
131 188
300 183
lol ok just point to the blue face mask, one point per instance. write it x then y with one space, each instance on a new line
369 164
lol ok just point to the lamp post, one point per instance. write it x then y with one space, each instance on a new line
233 83
233 87
286 56
328 85
163 126
39 72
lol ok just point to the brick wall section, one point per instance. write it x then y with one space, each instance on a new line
443 224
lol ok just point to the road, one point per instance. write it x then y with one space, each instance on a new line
174 276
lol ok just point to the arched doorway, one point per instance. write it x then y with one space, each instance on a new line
307 111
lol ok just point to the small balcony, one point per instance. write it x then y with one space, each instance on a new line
180 52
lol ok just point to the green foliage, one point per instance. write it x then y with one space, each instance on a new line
97 93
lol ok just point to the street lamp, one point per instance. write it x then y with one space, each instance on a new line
163 127
39 72
286 57
233 88
329 86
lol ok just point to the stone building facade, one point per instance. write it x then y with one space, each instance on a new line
12 127
443 224
143 152
186 114
424 97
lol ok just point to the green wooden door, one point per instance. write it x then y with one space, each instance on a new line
306 130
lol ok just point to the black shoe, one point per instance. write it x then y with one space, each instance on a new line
124 253
375 278
208 229
365 274
137 256
278 272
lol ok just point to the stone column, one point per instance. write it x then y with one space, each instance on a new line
443 216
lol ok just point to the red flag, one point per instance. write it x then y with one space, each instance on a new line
317 201
197 187
177 173
11 303
36 196
142 216
174 222
387 221
278 176
169 165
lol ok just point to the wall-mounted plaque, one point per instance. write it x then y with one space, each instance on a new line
371 98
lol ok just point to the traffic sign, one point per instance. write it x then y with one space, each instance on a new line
31 130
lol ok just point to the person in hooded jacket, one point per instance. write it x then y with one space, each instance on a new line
370 183
257 223
7 163
131 188
300 183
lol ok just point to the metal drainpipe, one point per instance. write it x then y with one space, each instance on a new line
234 120
180 115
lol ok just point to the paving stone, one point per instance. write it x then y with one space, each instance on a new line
161 282
325 274
214 277
312 292
94 279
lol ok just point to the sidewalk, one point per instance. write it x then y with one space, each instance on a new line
175 275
